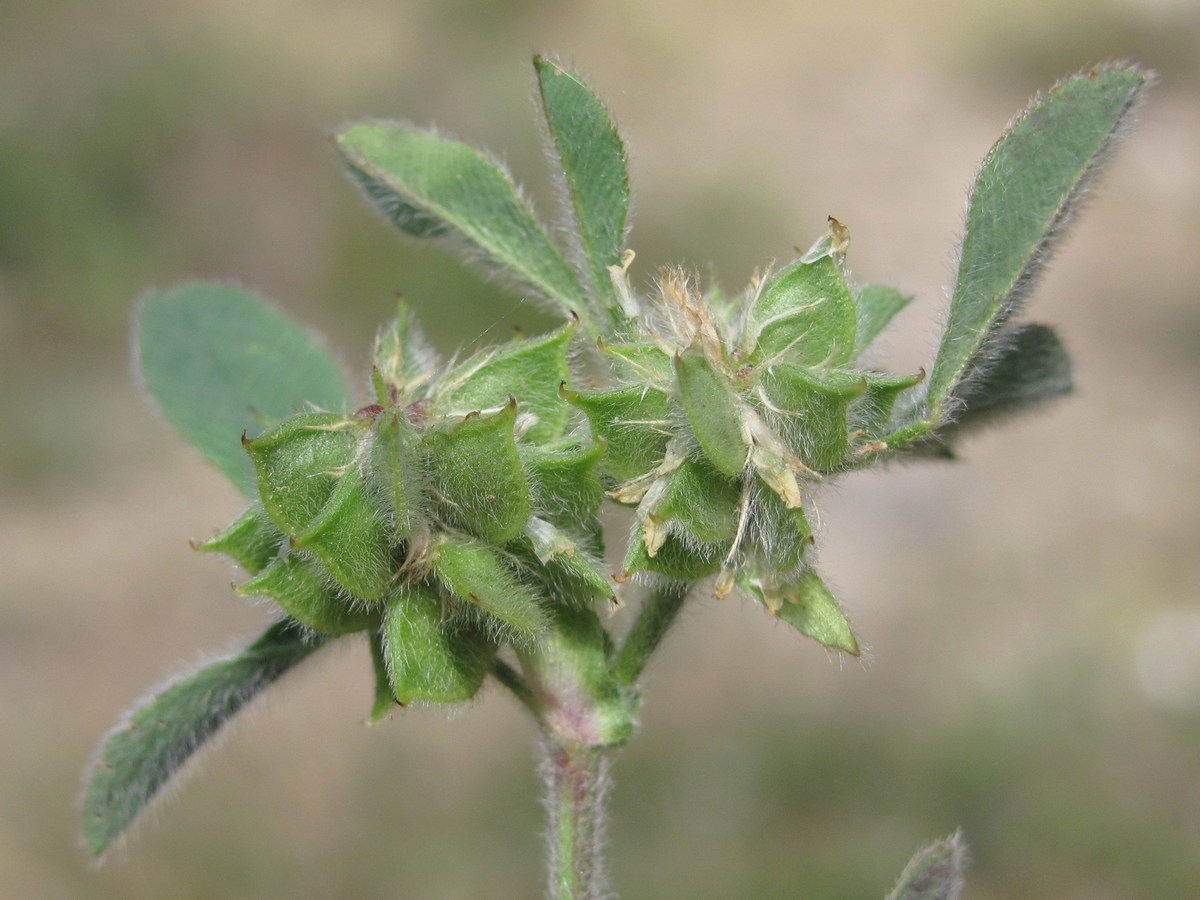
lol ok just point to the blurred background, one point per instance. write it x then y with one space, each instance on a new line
1032 610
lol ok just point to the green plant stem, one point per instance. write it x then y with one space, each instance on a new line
511 679
576 784
655 617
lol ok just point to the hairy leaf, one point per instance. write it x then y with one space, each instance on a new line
156 739
934 873
876 304
1029 185
591 158
219 362
433 187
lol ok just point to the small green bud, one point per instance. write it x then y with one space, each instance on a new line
701 500
564 565
298 464
402 358
477 474
298 584
873 412
782 534
478 574
713 411
252 541
675 557
429 656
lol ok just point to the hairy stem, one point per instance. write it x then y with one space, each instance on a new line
655 617
576 784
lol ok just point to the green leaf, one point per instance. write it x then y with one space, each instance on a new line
155 740
219 362
591 159
479 575
433 187
712 410
530 369
804 314
431 658
298 584
476 471
934 873
1030 368
876 304
1027 189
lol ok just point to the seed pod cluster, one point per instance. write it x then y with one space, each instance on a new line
445 519
721 419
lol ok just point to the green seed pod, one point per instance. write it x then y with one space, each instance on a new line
252 540
781 535
803 314
530 368
635 424
562 564
808 606
298 584
809 411
350 539
298 464
713 411
477 473
478 574
702 500
565 481
429 657
675 558
398 471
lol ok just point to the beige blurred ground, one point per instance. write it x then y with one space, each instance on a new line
1033 611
